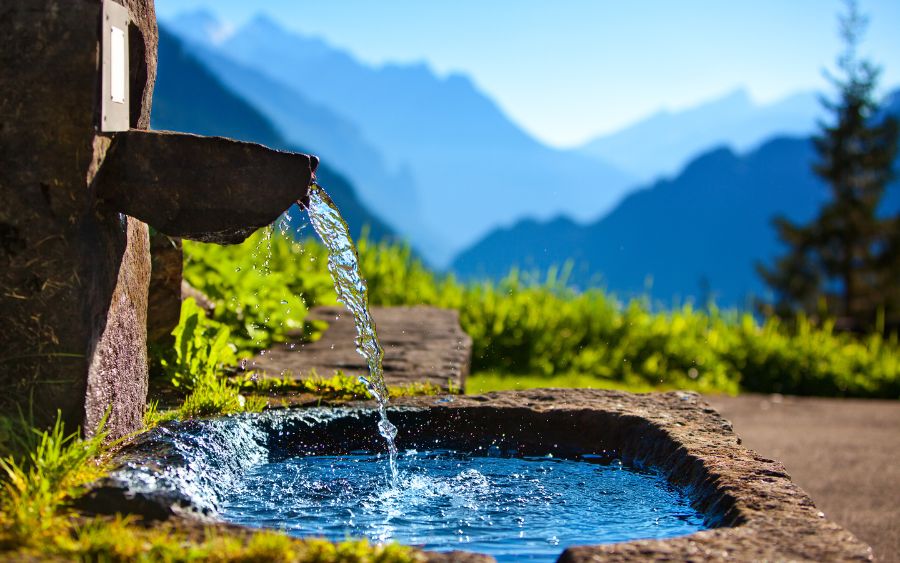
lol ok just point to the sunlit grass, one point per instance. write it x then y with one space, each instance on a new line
526 324
338 387
485 382
40 472
43 471
122 539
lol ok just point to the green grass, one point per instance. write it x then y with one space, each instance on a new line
338 387
201 356
43 471
122 539
486 382
154 417
218 396
540 327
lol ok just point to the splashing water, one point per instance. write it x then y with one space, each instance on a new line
515 509
343 264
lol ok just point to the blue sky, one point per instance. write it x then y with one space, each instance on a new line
571 69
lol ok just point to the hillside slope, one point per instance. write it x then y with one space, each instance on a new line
664 143
698 235
472 167
190 99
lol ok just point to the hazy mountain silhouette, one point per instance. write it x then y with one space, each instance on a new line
302 122
662 144
890 105
190 99
473 168
695 236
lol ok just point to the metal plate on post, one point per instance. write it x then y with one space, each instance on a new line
114 102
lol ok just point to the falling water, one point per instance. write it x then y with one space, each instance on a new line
343 263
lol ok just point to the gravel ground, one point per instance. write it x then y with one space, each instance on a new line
844 452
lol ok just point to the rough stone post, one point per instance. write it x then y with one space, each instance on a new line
74 247
73 280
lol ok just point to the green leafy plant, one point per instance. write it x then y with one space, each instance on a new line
262 287
202 347
201 353
529 327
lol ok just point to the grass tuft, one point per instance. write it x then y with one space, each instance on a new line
44 471
543 327
217 396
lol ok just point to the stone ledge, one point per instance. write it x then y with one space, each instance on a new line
754 510
421 345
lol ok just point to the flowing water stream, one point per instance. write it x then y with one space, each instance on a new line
343 264
278 469
514 508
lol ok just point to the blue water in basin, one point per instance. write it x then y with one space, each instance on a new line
512 508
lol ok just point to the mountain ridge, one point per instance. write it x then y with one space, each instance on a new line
336 141
697 235
473 168
188 98
664 142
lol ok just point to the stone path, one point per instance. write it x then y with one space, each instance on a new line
844 453
421 344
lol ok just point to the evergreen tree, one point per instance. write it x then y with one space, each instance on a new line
845 262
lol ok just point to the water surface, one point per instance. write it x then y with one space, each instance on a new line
512 508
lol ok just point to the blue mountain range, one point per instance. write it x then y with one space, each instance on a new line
637 211
189 98
662 144
471 167
696 237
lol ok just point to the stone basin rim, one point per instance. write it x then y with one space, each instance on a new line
754 509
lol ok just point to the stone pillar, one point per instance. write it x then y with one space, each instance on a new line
73 281
164 304
74 252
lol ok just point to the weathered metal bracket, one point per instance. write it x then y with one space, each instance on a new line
114 94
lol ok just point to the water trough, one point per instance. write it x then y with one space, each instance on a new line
751 507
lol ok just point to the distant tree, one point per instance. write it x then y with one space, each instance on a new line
846 262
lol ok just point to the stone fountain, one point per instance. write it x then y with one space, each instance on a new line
83 181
